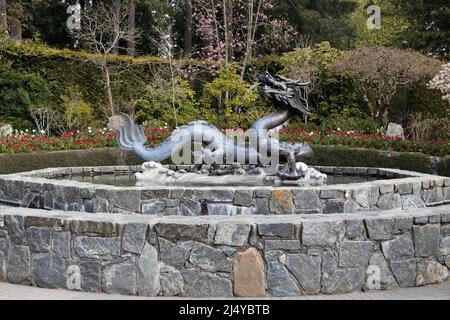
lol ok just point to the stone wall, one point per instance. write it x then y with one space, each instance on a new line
404 191
247 256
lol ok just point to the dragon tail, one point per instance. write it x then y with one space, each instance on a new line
131 135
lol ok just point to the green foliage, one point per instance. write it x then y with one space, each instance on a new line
229 96
329 94
349 123
393 24
169 102
321 20
78 114
18 93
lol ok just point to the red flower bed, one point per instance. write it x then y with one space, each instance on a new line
368 141
30 142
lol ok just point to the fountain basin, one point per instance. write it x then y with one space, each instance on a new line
58 188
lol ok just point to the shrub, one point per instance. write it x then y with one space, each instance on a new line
168 102
228 95
344 123
78 114
381 72
18 93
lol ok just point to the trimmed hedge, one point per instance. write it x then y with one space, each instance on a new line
323 155
21 162
355 157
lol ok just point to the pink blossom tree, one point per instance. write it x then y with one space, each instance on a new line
234 30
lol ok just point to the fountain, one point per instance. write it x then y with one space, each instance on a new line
232 222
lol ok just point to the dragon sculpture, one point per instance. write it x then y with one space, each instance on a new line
281 91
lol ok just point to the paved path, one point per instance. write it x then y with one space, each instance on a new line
18 292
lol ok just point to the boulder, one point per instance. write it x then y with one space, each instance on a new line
395 130
115 122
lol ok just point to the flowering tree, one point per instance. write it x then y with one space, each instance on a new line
233 30
441 82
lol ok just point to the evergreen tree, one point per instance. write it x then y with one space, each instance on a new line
320 20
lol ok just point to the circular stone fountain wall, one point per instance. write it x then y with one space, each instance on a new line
47 189
364 245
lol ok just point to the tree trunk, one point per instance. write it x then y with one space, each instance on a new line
117 6
188 28
108 89
3 21
14 12
131 45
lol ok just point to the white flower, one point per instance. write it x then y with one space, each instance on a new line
42 131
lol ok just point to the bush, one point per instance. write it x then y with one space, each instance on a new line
229 98
78 114
381 72
338 122
169 103
18 93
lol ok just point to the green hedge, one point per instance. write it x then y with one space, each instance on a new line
21 162
323 155
352 157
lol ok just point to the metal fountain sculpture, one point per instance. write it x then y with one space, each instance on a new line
215 146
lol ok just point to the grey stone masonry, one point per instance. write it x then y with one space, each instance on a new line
216 256
400 190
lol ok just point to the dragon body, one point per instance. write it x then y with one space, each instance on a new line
281 91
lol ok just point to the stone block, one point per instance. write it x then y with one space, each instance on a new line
19 266
280 230
390 201
203 284
243 198
405 272
307 200
354 254
343 281
426 240
148 277
354 228
61 243
281 202
91 276
380 228
431 271
172 254
49 271
322 233
210 259
172 283
134 235
15 227
280 282
96 247
381 277
306 269
411 202
39 239
249 274
182 232
232 234
366 197
286 245
153 207
400 248
120 278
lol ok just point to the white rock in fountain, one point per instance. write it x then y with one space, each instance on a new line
154 173
310 173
